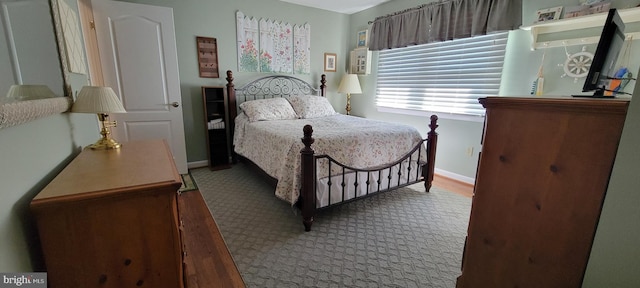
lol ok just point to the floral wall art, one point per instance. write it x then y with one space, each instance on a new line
247 37
276 47
302 49
272 46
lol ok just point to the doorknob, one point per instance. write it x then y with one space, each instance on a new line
174 104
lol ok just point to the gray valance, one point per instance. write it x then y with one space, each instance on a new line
444 20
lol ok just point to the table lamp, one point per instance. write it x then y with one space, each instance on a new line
29 92
102 101
350 85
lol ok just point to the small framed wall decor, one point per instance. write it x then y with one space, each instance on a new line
207 57
599 7
363 38
576 11
330 60
548 14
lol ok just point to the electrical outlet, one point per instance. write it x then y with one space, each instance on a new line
470 151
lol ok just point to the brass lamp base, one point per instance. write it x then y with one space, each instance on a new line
105 143
348 108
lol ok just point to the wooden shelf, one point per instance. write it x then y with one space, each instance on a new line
214 100
629 15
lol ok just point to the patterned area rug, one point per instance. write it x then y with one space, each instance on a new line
187 183
404 238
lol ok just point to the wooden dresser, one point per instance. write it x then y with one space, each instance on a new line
541 181
110 219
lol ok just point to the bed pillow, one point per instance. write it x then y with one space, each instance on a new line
268 109
309 106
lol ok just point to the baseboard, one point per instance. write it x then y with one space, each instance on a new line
454 176
197 164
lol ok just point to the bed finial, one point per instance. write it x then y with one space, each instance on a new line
434 123
307 139
229 78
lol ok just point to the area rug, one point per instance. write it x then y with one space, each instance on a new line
403 238
187 183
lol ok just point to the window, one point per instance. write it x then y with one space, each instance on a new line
444 77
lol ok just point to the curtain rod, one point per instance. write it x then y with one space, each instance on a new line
409 9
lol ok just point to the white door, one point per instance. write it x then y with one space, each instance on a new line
139 60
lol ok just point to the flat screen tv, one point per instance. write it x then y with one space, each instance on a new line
603 67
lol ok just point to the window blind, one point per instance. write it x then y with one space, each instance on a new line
442 77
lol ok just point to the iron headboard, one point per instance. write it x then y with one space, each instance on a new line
275 86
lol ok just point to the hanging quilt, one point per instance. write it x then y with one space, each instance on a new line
276 52
272 46
302 49
247 37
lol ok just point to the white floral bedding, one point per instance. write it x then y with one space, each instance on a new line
357 142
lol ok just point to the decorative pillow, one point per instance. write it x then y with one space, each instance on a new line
309 106
268 109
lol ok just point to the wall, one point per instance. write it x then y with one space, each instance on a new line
217 19
455 136
520 79
31 155
615 256
520 69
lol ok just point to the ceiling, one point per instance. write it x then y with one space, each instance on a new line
340 6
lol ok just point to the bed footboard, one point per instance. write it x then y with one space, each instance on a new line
372 181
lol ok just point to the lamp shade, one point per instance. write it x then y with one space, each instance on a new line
29 92
350 84
97 99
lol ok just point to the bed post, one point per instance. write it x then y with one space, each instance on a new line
308 189
323 85
432 142
232 110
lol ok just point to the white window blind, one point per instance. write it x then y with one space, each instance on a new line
442 77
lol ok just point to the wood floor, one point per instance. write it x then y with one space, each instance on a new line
208 262
453 185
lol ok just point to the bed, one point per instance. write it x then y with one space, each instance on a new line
316 157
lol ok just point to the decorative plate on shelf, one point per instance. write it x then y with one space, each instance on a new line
577 65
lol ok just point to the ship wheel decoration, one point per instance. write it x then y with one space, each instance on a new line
577 65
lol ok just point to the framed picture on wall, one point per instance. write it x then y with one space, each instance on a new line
576 11
330 60
363 38
548 14
207 57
